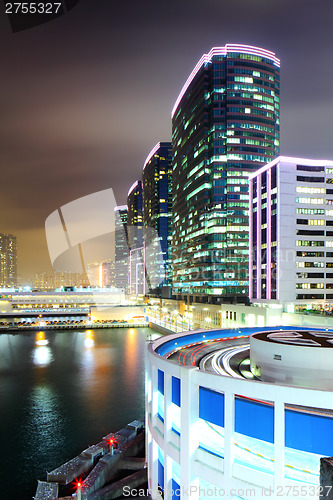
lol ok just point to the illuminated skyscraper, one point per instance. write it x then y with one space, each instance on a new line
121 248
135 240
8 260
157 216
134 223
225 125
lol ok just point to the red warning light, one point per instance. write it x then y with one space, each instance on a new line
112 440
78 484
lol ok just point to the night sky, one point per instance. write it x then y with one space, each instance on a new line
85 97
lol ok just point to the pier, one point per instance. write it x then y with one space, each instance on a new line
102 471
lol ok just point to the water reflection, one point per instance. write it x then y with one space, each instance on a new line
97 367
45 429
131 357
89 339
40 339
42 355
62 395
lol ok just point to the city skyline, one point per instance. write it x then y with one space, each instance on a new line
90 106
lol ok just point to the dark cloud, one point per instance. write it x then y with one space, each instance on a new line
85 97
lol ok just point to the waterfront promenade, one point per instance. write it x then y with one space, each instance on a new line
19 327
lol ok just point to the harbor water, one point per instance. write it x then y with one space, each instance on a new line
61 391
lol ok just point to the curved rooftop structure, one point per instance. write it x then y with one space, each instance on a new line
211 427
223 51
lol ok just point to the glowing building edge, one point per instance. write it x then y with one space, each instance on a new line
136 183
223 51
151 154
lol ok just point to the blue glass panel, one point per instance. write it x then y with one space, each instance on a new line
211 406
160 475
175 490
160 381
306 432
254 419
176 391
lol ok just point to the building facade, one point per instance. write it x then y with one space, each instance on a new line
121 248
229 436
8 260
58 279
137 284
291 234
101 274
225 124
157 217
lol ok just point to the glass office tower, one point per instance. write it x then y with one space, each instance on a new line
225 124
137 284
157 217
121 248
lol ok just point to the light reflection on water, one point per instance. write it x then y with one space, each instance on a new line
42 355
62 394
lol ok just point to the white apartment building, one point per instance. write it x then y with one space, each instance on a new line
291 234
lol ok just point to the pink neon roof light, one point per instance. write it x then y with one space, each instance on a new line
293 160
120 207
151 154
136 183
222 51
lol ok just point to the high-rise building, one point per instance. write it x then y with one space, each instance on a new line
8 260
157 216
121 248
135 240
134 223
225 125
58 279
291 234
101 274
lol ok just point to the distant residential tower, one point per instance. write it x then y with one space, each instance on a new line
8 260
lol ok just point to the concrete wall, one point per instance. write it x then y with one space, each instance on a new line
300 365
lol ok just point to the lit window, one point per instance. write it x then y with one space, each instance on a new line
310 190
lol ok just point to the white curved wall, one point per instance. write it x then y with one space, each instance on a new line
192 465
292 364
